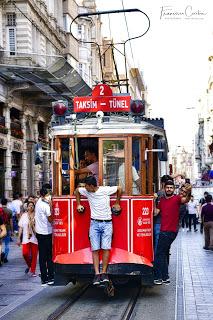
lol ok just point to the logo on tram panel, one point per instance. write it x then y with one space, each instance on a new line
145 211
140 221
56 209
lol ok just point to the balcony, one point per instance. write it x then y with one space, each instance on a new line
16 130
3 129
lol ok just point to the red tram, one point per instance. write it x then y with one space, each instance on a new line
127 144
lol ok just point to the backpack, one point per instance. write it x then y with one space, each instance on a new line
4 216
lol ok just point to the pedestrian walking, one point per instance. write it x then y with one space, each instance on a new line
202 202
3 232
29 241
43 227
207 218
168 207
16 207
192 213
100 232
8 221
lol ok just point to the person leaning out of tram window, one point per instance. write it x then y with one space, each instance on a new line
91 158
3 233
101 222
29 241
168 208
207 219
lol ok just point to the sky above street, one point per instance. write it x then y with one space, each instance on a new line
173 56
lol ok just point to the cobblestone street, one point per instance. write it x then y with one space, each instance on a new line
189 297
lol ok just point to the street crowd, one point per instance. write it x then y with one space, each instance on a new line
29 223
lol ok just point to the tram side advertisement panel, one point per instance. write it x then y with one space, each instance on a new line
61 226
142 226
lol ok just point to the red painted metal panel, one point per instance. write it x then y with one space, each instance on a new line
81 223
121 226
61 227
142 227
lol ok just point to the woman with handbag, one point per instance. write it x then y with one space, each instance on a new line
29 241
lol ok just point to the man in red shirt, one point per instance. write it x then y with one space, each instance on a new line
168 208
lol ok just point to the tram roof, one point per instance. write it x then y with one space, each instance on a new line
110 125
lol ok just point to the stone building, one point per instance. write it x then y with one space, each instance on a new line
38 63
204 136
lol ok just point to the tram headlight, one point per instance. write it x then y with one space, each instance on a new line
138 107
99 114
60 107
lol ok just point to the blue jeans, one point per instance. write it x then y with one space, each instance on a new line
161 259
100 234
6 241
156 236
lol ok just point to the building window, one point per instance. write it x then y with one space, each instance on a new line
11 19
81 68
12 41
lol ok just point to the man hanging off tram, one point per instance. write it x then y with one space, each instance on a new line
101 230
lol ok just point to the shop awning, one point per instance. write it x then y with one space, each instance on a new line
58 81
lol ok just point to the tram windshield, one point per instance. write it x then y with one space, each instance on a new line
113 161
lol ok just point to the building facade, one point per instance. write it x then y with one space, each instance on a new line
204 136
38 62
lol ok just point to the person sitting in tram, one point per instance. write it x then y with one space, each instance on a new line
136 181
100 232
92 159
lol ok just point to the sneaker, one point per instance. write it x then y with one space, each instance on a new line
96 280
167 281
44 284
206 248
5 260
189 230
195 230
158 281
33 275
27 270
104 277
50 282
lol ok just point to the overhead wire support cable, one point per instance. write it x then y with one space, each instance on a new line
84 15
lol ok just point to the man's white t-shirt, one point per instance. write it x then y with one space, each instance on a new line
42 212
99 202
192 207
16 206
23 223
135 177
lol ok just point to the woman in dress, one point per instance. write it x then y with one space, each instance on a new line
29 241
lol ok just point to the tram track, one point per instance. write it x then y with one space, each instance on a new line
66 308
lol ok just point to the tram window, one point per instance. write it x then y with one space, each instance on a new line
136 166
65 166
113 162
86 155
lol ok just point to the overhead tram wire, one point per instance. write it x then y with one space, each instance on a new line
122 2
113 56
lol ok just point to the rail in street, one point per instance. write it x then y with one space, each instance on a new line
191 290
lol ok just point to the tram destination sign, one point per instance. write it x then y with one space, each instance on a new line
102 99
